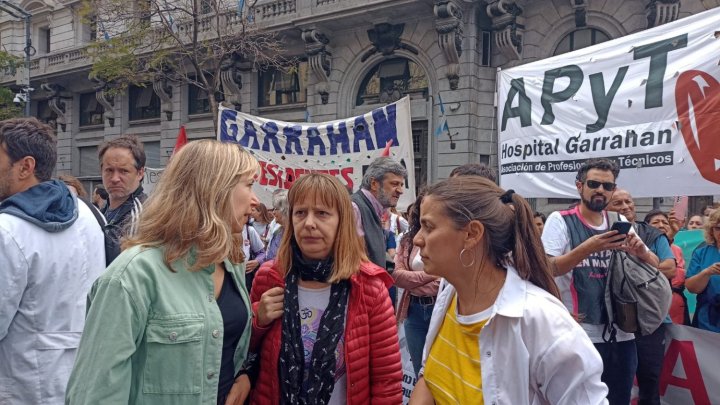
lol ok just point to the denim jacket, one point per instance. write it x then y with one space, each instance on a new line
153 336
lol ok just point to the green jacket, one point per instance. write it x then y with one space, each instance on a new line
153 336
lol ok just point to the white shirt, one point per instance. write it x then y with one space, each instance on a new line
45 280
530 340
556 240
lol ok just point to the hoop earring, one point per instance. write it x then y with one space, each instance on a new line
463 262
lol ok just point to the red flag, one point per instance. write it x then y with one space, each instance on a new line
386 152
181 140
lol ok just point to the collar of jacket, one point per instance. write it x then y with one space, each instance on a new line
509 303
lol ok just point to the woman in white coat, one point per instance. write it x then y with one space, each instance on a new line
498 333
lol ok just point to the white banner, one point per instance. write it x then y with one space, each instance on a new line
650 100
342 148
690 373
152 176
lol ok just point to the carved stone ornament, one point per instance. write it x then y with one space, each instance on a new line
231 79
386 40
319 60
508 25
580 7
56 104
449 26
106 100
164 91
660 12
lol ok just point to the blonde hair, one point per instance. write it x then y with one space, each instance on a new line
348 249
191 206
713 220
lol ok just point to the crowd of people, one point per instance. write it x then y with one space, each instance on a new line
202 294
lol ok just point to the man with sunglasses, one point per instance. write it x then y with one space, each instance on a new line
579 244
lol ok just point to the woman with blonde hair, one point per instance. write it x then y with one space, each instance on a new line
500 301
324 323
169 321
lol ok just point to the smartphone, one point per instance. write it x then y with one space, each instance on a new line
680 206
622 227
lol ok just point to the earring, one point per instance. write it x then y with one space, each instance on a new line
463 262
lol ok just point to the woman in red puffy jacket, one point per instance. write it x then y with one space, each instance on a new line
323 322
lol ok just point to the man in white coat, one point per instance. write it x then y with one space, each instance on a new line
51 251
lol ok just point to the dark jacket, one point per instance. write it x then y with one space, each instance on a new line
121 224
374 235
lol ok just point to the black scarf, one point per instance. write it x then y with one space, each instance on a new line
321 376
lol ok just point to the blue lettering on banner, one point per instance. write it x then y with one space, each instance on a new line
362 132
271 130
386 126
293 134
340 138
254 135
250 132
228 121
314 140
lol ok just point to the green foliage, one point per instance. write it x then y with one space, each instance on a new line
7 107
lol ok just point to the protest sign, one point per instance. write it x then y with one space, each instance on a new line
152 176
690 374
342 148
650 101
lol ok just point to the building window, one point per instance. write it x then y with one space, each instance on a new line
486 41
144 103
206 6
392 79
579 39
152 154
45 114
91 112
198 100
44 40
89 161
280 87
420 151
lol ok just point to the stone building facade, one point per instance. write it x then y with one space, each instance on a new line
354 56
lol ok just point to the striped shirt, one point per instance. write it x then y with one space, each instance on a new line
452 370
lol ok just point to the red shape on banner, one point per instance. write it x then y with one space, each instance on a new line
386 151
697 97
181 140
693 380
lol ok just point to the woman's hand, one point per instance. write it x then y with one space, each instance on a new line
239 391
270 307
713 270
421 394
251 266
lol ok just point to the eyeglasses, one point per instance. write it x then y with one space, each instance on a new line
593 184
716 228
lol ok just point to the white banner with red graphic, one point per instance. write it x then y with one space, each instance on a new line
690 373
650 101
342 148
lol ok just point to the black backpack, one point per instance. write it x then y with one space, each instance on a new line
637 295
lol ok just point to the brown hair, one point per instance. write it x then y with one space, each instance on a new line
21 137
75 183
348 249
712 221
191 206
510 234
129 142
265 216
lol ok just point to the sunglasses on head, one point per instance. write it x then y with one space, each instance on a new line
593 184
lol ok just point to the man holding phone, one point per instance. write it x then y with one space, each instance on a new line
650 348
579 244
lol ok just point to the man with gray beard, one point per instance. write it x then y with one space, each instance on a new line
382 186
579 244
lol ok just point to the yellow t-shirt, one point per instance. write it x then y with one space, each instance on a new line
452 370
